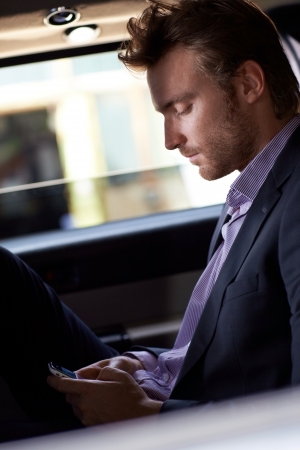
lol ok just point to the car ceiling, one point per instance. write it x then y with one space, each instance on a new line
23 32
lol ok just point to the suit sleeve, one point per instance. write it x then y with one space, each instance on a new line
289 257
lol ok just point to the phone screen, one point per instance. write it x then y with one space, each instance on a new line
60 371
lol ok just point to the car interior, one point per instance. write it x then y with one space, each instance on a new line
89 197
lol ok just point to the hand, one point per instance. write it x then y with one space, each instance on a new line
112 397
124 363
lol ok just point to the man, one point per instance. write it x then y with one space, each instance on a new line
218 74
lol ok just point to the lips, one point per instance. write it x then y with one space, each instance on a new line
190 154
193 158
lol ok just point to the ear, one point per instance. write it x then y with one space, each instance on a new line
251 81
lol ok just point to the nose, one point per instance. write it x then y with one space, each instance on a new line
173 135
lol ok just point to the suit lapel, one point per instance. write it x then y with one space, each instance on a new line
265 201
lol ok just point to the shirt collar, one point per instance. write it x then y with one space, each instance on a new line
245 187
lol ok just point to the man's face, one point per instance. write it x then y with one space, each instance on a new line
199 119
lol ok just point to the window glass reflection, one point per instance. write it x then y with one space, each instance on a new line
81 144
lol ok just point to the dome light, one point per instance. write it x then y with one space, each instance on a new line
82 34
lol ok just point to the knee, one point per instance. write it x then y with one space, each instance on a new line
6 258
10 265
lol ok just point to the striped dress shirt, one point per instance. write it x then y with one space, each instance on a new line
160 375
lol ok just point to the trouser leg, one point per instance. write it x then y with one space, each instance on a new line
35 328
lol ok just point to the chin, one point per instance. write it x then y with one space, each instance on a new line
207 174
211 173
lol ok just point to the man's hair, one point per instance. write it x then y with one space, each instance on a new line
222 34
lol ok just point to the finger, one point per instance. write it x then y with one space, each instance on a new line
118 363
90 373
64 385
104 362
113 374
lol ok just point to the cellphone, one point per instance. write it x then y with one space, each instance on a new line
60 371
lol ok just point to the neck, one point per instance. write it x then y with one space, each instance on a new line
269 126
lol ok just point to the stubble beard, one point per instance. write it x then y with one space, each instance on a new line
232 144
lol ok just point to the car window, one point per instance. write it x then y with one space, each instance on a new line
81 144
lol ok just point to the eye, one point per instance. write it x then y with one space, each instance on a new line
185 111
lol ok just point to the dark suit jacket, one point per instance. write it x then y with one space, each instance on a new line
248 337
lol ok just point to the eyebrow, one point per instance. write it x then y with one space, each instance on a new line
179 99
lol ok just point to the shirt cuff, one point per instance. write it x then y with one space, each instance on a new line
148 360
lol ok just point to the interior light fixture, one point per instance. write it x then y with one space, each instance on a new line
82 34
61 16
